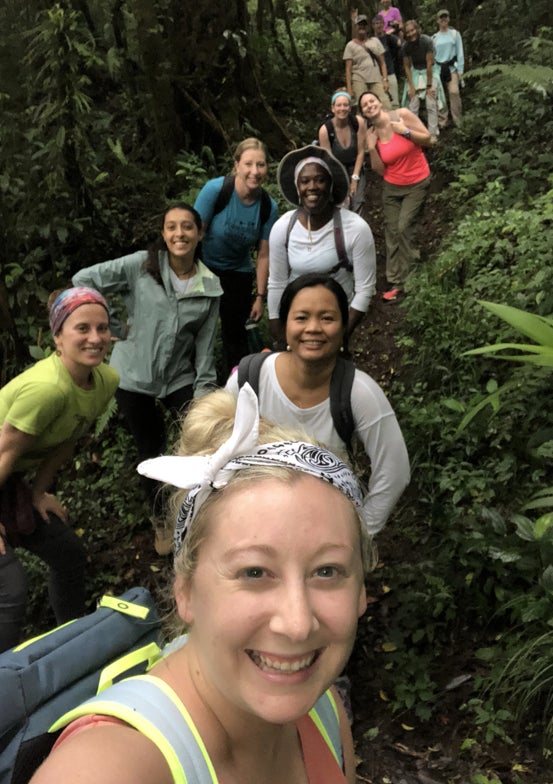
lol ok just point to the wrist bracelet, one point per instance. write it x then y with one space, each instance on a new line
260 295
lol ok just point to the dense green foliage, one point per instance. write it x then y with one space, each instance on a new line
111 107
480 588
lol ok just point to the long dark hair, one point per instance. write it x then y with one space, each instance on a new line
151 265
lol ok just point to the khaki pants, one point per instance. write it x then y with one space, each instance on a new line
393 89
455 105
402 206
359 87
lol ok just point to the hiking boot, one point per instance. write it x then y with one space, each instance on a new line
391 295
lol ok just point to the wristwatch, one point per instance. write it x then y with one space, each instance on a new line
407 134
355 177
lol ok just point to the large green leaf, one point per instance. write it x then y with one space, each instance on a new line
537 328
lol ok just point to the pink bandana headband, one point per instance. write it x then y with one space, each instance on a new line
202 475
71 299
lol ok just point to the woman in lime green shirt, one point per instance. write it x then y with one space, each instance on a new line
43 412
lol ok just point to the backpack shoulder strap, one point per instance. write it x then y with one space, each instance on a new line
249 369
265 208
324 715
341 383
150 706
224 195
343 260
329 125
291 223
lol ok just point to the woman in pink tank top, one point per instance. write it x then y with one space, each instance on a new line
395 141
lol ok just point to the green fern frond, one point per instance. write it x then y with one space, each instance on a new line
538 78
102 421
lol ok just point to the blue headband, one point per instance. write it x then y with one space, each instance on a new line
338 94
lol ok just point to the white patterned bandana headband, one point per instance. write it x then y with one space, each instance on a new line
203 474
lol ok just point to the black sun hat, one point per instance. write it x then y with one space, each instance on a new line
287 167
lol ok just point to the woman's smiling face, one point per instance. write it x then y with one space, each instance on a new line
84 338
180 233
274 600
314 327
370 106
314 188
341 107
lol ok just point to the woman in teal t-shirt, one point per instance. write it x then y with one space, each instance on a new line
43 411
231 232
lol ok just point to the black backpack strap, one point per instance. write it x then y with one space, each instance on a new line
291 223
343 260
329 125
249 369
224 195
265 208
341 383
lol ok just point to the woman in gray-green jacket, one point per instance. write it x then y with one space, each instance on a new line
166 351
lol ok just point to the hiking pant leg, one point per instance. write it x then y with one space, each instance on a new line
146 424
62 550
177 402
393 90
413 104
234 310
455 104
391 207
411 208
144 420
13 598
358 87
432 110
402 206
443 112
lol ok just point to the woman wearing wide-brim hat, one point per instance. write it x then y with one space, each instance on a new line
319 236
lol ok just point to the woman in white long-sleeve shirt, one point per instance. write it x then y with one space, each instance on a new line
294 389
318 236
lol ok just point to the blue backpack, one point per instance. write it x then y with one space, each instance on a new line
45 677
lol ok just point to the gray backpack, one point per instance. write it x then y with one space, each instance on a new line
43 678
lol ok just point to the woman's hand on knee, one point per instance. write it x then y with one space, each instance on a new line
45 503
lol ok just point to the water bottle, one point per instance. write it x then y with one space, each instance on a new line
255 341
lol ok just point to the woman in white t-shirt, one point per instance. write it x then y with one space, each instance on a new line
318 236
294 389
